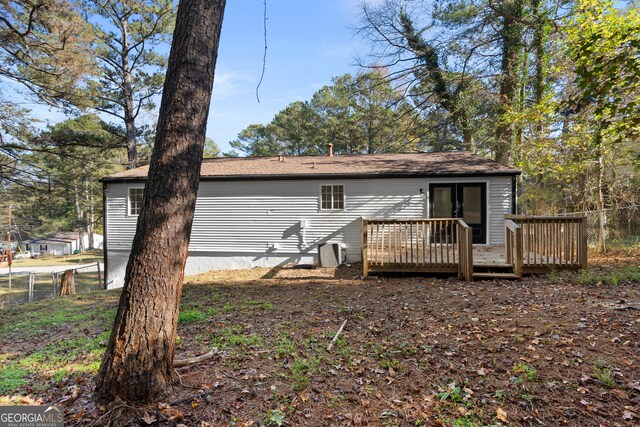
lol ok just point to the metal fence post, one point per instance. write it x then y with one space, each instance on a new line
54 281
99 278
31 283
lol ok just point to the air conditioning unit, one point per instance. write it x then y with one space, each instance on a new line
331 254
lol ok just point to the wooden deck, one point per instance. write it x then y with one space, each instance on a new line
532 244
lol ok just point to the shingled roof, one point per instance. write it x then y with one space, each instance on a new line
393 165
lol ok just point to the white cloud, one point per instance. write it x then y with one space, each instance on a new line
229 83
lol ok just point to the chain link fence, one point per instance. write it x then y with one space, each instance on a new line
28 287
621 226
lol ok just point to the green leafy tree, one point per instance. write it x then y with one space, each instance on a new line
296 129
604 43
211 149
358 114
255 140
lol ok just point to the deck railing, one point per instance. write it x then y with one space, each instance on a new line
513 246
425 244
552 241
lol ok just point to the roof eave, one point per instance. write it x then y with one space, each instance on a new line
275 177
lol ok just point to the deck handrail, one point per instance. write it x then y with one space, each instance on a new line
411 244
513 248
552 241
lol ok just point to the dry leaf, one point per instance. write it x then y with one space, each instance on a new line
502 415
148 418
627 415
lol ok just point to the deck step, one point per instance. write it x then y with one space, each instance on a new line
495 276
491 265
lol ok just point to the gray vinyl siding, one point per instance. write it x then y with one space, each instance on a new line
500 201
255 217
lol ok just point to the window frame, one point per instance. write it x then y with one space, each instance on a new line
332 209
130 205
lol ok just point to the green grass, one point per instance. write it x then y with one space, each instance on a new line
54 362
232 338
301 372
611 277
190 316
525 373
602 373
88 310
12 379
285 347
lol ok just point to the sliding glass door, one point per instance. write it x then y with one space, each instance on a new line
463 200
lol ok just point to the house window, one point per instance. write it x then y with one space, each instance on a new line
331 197
43 247
136 195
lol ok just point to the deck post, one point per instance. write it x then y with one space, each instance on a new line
460 239
517 262
583 242
470 254
365 264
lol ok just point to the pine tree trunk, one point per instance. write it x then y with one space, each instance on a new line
137 366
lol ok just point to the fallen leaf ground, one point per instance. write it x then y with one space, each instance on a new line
556 350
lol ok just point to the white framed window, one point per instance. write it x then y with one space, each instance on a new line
136 195
43 247
332 197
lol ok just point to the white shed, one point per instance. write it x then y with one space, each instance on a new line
270 211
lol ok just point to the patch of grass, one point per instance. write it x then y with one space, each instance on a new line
94 309
556 276
611 277
12 379
301 371
602 373
285 347
465 421
191 315
260 305
394 364
53 362
525 373
231 337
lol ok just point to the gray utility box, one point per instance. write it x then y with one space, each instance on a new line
331 254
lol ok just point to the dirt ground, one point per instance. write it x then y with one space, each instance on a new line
415 351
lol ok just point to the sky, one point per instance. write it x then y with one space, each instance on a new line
308 43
